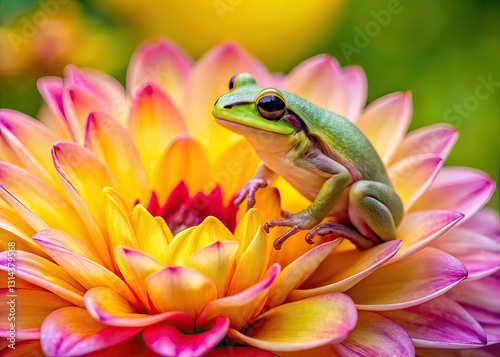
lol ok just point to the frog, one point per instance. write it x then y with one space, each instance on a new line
322 155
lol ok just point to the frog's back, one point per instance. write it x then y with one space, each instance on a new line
341 140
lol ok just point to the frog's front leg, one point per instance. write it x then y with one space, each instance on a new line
375 210
262 178
337 179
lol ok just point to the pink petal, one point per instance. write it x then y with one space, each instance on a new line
238 351
71 331
419 277
319 80
412 176
486 222
169 341
385 121
489 321
299 325
356 90
481 293
439 323
375 336
162 62
111 309
437 139
479 254
341 271
457 189
419 229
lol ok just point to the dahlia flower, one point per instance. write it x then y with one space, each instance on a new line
118 229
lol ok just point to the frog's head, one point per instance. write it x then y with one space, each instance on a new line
247 107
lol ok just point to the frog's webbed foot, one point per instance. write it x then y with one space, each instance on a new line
249 191
297 222
337 230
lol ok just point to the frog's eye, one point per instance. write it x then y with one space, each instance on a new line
271 106
231 82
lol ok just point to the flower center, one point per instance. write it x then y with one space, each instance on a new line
181 211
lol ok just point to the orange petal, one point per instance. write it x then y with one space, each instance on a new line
113 144
178 288
135 267
162 62
216 262
154 122
184 159
47 205
242 307
341 271
150 233
31 313
71 331
303 324
246 228
319 80
111 309
45 274
385 121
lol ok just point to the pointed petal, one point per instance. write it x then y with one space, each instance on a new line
45 274
412 176
184 159
187 243
110 141
437 139
162 62
151 237
252 264
216 262
30 141
319 80
111 309
135 267
298 271
486 222
71 331
439 323
341 271
51 89
84 270
481 293
418 278
385 122
31 312
479 254
154 122
242 307
457 189
375 336
419 229
178 288
169 341
48 205
246 228
356 90
303 324
208 80
119 227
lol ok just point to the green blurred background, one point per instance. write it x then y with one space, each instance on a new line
446 52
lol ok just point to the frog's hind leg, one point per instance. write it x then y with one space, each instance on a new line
375 210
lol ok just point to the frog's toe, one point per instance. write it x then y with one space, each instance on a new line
334 230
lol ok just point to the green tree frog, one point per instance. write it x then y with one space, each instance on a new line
322 155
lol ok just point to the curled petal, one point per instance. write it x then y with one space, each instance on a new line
319 80
71 331
419 277
440 322
303 324
375 336
457 189
111 309
169 341
385 122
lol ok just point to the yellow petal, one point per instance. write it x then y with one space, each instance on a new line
177 288
184 159
215 261
150 235
246 228
120 230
